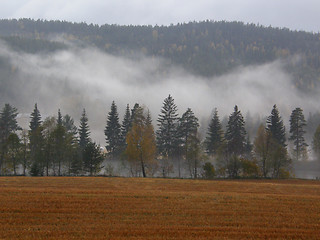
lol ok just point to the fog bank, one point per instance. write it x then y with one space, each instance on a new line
80 78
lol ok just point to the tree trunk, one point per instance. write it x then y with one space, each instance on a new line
142 166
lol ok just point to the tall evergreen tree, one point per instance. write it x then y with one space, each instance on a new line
35 119
84 132
113 131
36 142
297 124
126 122
167 139
72 160
275 126
133 112
8 121
187 133
214 135
167 132
48 128
68 124
316 143
236 133
59 136
236 141
92 158
8 125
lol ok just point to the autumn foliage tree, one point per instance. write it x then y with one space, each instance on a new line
141 142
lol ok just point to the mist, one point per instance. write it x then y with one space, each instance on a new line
88 78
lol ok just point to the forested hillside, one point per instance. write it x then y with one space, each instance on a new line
204 48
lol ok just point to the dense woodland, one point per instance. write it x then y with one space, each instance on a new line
205 48
55 146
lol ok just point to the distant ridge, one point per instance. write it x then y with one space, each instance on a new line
205 48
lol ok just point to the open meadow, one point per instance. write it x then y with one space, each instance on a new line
136 208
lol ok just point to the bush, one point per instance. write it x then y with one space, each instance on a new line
208 171
249 168
35 169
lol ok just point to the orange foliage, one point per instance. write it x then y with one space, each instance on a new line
136 208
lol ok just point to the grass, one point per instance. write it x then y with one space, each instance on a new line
136 208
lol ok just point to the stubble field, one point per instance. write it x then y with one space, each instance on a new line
135 208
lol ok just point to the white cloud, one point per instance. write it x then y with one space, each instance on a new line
87 78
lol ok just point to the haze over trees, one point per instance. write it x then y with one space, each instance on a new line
205 48
55 146
179 147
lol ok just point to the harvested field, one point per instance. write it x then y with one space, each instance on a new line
136 208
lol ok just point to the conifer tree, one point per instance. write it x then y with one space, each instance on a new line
8 121
297 124
214 135
14 151
68 124
92 158
167 139
187 133
84 132
71 145
35 119
59 136
112 131
236 141
49 126
8 125
236 133
36 142
316 143
126 122
167 132
275 126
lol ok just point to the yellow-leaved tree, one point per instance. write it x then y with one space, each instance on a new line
141 143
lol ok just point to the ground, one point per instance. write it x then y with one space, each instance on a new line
136 208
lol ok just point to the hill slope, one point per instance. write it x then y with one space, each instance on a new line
204 48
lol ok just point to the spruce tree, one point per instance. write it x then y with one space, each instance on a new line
133 112
275 126
36 142
167 139
126 122
214 135
84 132
297 124
187 133
236 133
167 132
35 119
59 136
236 142
72 161
8 122
92 158
68 124
8 125
316 143
113 131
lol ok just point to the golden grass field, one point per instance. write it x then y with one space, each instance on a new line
136 208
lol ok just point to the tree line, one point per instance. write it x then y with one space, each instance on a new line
55 146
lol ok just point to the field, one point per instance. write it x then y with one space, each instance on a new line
136 208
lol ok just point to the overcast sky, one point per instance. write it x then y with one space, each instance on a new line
293 14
